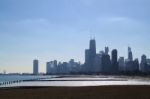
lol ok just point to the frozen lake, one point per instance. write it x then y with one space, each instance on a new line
75 81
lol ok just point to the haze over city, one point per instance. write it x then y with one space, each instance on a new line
48 30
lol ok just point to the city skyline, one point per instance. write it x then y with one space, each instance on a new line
49 30
100 63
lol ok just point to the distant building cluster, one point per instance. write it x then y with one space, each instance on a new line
53 67
98 63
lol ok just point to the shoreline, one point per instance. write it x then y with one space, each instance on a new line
91 92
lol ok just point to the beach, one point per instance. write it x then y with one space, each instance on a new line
93 92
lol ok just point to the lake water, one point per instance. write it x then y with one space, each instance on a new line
4 78
70 81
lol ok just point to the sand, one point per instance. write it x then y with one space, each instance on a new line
100 92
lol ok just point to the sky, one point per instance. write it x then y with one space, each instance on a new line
61 29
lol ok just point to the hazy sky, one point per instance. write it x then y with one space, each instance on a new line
61 29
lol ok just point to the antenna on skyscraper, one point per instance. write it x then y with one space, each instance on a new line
92 35
128 45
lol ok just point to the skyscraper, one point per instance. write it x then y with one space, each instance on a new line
90 55
48 67
130 56
92 48
87 52
114 61
143 63
106 50
121 64
35 67
136 65
97 64
105 64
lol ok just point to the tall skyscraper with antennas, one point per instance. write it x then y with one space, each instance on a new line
90 55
